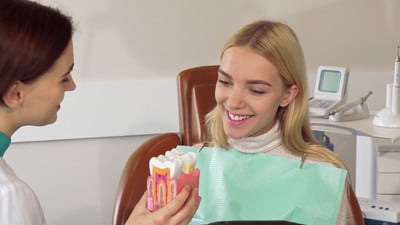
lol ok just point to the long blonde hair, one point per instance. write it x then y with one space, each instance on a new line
278 44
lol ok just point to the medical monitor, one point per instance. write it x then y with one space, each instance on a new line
330 90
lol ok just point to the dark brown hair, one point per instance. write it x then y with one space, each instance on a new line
32 38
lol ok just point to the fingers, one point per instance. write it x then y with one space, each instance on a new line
141 206
185 215
182 208
177 203
140 214
177 212
142 203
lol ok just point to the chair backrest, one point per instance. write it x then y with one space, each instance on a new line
355 207
196 97
196 88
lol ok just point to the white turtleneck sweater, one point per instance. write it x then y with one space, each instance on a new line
271 143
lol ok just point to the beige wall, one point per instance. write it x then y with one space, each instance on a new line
135 40
125 39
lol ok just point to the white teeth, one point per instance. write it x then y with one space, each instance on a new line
174 165
237 117
173 153
189 162
177 161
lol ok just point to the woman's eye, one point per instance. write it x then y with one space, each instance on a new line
66 79
258 92
224 82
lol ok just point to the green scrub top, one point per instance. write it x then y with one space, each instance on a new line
4 143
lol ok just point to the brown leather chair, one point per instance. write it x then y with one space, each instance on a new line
196 89
196 97
355 208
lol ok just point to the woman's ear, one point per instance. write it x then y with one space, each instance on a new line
289 95
13 96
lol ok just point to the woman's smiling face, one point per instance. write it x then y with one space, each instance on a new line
249 92
42 97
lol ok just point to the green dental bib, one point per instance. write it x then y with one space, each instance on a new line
240 186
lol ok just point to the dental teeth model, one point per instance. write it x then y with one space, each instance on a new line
169 173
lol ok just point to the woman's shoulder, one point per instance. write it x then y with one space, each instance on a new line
10 183
16 194
199 145
309 158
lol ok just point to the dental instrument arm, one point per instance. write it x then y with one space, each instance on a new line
347 106
396 85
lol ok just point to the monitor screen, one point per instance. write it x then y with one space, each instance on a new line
329 81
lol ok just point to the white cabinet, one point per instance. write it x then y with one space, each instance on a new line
388 172
377 156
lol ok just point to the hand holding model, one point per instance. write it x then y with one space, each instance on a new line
177 212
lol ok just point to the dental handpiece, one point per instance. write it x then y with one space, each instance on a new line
396 85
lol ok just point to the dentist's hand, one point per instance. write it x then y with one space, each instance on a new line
177 212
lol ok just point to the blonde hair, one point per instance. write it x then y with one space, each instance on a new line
278 44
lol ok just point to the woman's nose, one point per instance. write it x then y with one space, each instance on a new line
235 99
71 84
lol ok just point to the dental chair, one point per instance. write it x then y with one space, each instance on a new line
196 88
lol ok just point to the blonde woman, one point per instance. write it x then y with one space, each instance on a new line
262 102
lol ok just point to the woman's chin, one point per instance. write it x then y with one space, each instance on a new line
52 121
234 135
46 122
